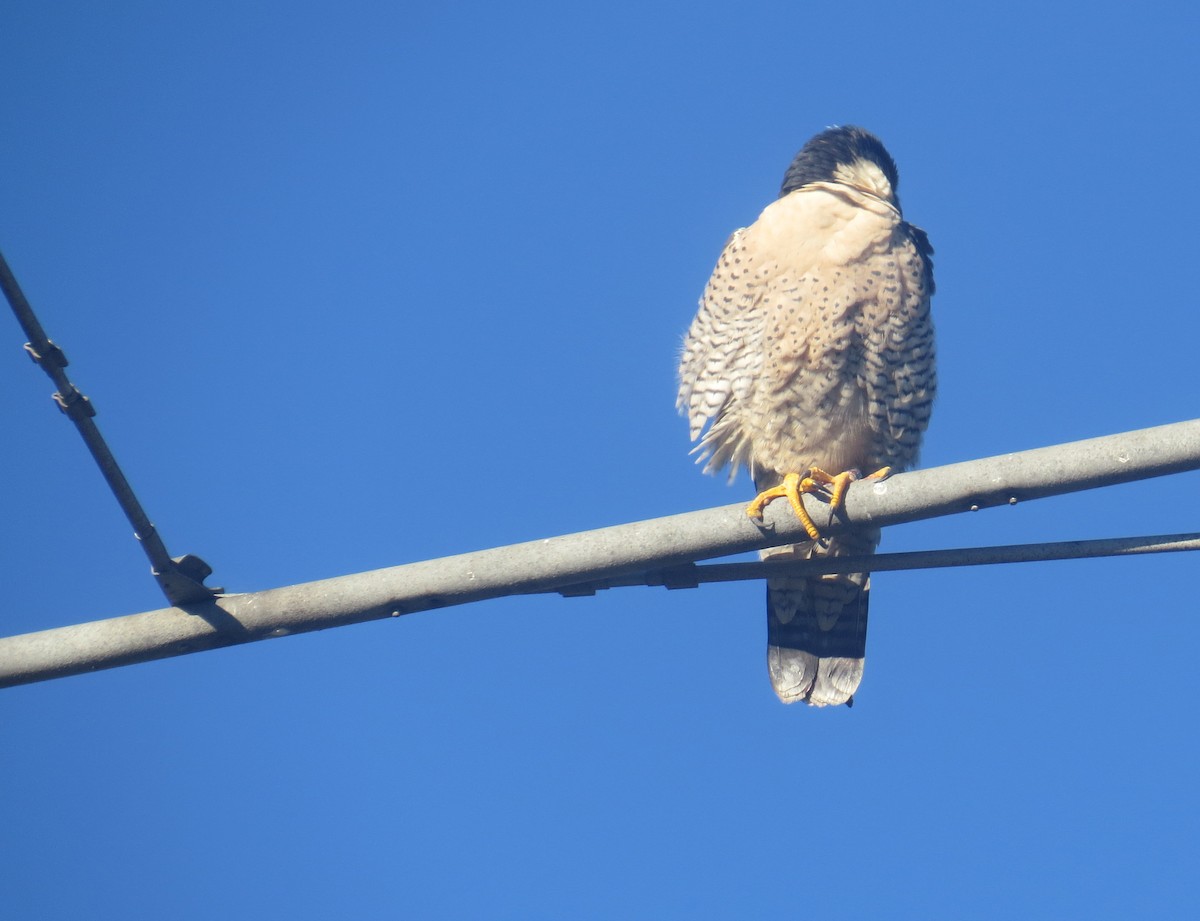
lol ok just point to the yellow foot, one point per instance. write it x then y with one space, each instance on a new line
793 487
815 480
838 483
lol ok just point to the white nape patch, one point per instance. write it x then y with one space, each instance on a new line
865 175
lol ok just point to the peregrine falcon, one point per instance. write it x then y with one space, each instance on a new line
811 360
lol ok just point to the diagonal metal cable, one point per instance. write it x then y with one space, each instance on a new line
181 578
590 557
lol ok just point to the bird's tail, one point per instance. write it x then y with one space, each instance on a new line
817 625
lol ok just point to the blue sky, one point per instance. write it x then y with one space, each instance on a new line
359 284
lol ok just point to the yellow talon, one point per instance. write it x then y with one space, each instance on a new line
793 487
814 480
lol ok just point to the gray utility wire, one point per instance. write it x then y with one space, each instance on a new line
573 562
182 578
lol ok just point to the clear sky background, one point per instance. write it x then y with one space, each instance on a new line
359 284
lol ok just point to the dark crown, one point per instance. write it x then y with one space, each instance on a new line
819 159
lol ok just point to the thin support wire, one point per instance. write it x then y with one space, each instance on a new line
181 578
691 575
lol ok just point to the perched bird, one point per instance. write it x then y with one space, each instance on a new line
811 361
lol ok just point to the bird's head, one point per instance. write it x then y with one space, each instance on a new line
848 155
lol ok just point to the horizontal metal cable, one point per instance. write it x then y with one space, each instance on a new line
593 556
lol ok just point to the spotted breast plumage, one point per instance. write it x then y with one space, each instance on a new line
811 362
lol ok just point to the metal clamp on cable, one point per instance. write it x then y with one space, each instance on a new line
183 583
75 404
50 356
